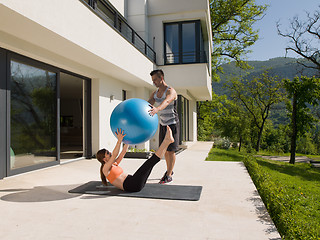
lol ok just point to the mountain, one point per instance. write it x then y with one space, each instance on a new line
281 67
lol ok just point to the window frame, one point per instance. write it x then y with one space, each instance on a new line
198 37
34 63
5 85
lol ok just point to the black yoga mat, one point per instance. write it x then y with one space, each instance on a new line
156 191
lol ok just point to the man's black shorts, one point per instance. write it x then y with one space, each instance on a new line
175 132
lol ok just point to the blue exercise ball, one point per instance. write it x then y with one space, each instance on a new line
133 117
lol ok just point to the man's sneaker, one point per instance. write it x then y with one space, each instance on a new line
165 174
165 180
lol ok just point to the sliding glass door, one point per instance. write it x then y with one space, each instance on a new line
42 108
33 115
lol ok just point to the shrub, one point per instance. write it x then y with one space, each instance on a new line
222 143
283 203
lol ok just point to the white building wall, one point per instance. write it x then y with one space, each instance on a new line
103 106
95 110
137 18
120 5
81 38
83 44
193 128
163 11
193 81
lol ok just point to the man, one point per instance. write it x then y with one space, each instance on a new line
164 102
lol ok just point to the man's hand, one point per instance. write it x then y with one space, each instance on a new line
153 110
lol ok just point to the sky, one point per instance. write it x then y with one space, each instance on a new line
270 44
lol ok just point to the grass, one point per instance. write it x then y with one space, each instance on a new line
291 193
217 154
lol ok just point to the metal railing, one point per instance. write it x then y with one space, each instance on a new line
186 57
111 16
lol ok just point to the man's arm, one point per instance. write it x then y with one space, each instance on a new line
171 96
151 98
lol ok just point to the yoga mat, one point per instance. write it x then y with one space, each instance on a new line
155 191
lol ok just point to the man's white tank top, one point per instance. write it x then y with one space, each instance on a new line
168 115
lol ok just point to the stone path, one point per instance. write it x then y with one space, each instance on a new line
299 159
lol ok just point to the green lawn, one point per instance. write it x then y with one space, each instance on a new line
291 193
217 154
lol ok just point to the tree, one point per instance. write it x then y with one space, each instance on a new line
302 91
304 38
232 121
205 120
232 30
257 96
233 34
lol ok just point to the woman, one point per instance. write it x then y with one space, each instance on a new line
131 183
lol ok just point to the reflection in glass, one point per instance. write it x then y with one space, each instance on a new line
184 43
183 106
33 115
188 43
182 122
172 43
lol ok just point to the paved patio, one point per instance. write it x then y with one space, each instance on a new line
37 205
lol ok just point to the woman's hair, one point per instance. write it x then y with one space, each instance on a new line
100 156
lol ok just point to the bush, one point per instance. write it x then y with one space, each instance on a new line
284 204
235 145
305 145
222 143
250 149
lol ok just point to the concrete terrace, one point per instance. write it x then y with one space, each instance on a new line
37 205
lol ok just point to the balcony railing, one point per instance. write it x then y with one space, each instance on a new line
112 17
186 57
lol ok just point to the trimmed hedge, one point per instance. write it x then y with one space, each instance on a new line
283 206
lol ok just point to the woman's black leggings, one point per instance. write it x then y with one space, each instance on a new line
135 182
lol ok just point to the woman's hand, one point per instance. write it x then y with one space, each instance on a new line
120 134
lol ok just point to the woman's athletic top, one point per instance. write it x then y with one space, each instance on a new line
115 172
168 115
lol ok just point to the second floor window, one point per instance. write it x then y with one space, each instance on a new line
183 43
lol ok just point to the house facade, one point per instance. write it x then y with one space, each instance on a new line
65 65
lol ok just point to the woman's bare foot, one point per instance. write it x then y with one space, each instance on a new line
169 138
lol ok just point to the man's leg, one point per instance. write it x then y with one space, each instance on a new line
170 157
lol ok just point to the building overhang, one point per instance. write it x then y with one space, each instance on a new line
191 80
184 10
80 43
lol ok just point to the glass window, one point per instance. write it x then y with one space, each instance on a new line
33 115
172 43
188 43
183 111
203 55
183 43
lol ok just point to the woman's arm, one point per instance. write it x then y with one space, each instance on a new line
120 135
123 152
